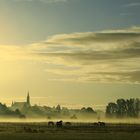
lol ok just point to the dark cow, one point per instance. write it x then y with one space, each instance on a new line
99 124
50 123
102 124
68 123
95 124
59 124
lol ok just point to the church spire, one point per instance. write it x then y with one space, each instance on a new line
12 103
28 98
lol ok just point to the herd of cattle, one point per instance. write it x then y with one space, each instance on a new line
61 124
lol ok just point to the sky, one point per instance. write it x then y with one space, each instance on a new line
70 52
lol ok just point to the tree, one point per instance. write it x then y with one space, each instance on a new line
87 110
124 108
111 109
58 108
90 110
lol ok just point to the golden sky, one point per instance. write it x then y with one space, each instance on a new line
66 55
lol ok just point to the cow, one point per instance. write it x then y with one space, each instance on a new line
59 124
68 123
99 124
95 124
102 124
50 123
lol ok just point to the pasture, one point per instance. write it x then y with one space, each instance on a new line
75 131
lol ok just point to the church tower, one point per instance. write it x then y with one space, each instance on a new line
28 99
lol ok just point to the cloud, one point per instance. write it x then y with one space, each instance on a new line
112 55
45 1
106 56
132 4
124 76
94 37
127 14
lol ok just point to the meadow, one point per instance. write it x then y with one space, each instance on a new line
77 131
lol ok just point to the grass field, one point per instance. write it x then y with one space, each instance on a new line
77 131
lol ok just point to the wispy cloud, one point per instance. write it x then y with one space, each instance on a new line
132 4
127 14
45 1
105 56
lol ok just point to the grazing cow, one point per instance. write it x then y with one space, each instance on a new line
59 124
50 123
102 124
99 124
96 124
68 124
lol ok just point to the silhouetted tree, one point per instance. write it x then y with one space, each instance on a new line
124 108
58 108
90 110
87 110
111 109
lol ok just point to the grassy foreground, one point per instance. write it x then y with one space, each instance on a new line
40 131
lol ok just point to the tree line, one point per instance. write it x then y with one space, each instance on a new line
123 108
44 111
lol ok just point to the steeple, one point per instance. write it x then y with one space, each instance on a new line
28 99
12 103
